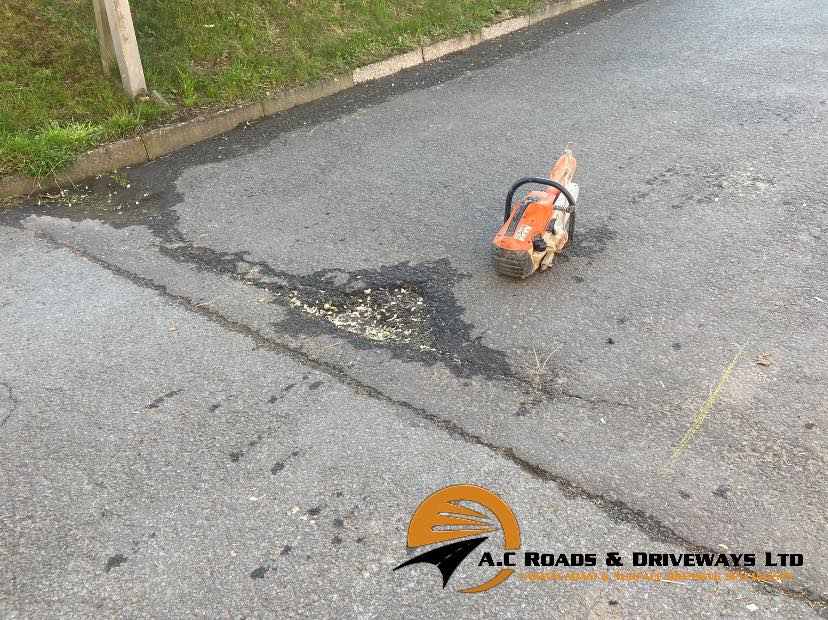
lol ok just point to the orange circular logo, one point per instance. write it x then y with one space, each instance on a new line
442 518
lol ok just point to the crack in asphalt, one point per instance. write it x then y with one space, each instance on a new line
615 509
14 403
588 399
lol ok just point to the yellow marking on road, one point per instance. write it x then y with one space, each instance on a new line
703 413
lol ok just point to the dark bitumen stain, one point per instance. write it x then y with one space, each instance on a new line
313 512
285 550
721 491
578 279
338 523
683 494
809 426
160 400
217 405
115 561
676 346
336 540
236 455
610 340
260 572
281 395
589 243
315 385
660 178
408 309
280 465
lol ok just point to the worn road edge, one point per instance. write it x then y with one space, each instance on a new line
163 140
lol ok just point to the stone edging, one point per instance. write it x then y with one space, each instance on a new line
163 140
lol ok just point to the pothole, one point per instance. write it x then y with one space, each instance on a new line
381 314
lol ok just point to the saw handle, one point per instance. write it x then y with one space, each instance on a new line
570 208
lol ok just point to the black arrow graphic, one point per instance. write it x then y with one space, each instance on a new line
448 557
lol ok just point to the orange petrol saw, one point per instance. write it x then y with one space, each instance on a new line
539 226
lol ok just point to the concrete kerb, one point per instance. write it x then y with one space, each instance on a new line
392 65
505 27
171 138
451 46
164 140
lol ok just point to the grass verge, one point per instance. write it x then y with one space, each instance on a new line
199 55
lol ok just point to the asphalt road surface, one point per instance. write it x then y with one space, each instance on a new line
225 388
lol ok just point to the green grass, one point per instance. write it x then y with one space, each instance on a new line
199 54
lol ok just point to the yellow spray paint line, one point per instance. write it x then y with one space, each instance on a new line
703 413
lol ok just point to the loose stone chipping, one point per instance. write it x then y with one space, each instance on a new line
747 183
385 314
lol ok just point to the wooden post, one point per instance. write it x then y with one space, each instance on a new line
125 45
104 37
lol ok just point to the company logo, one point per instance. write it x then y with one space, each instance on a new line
448 515
455 521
